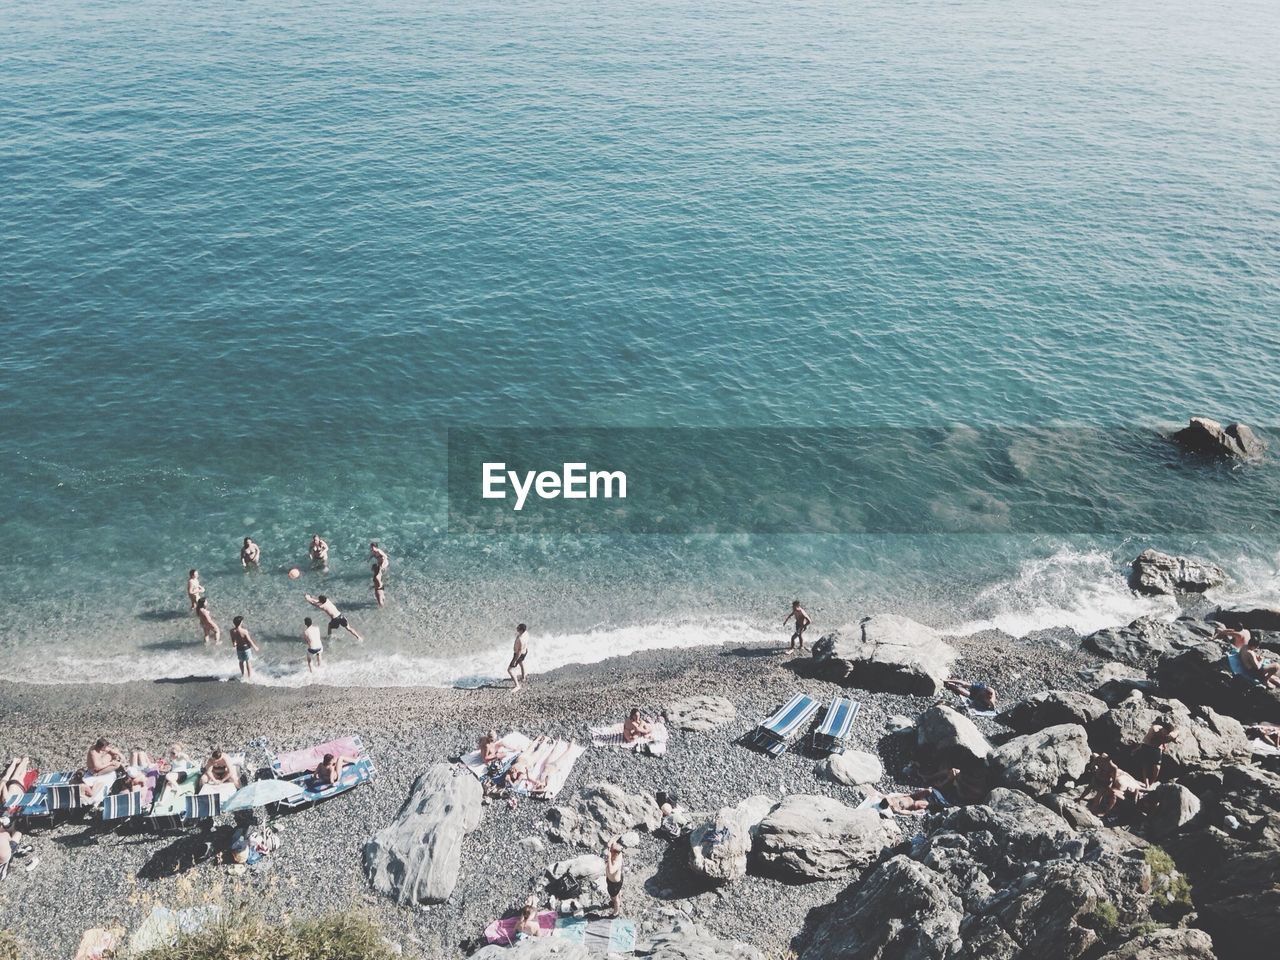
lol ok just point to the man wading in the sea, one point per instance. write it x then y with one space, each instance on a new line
802 621
520 651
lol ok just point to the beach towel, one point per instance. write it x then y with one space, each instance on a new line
295 762
514 741
538 768
600 935
313 791
655 744
503 932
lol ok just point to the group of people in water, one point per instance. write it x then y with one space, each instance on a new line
242 639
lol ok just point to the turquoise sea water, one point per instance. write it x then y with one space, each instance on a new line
256 258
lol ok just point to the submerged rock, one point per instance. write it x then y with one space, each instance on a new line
417 857
1210 438
817 838
887 653
1153 573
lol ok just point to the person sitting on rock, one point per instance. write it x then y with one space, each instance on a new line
960 785
636 728
980 695
1109 784
916 802
1237 638
1264 671
1149 755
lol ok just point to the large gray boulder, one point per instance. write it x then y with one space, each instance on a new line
1156 573
1170 807
1247 618
1186 943
1201 676
1142 642
1051 708
417 857
1207 739
950 735
700 713
722 846
577 883
1037 762
1210 438
903 909
601 813
686 941
816 838
853 768
887 653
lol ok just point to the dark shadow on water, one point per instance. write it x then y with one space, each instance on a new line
165 616
754 652
191 679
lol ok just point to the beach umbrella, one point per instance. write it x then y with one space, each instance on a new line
260 793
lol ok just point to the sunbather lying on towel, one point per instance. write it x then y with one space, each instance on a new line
980 695
915 802
329 770
636 728
218 770
1266 732
15 781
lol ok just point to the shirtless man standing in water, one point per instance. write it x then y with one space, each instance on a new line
517 656
319 552
379 556
250 553
802 621
194 590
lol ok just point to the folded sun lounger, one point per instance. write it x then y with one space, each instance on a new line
836 725
772 734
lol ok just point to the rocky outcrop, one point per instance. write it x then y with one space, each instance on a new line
1206 738
888 653
601 813
1007 880
576 884
722 846
686 941
1145 640
902 909
1251 618
817 838
1156 573
1052 708
1037 762
1187 943
1201 676
699 714
1210 438
1169 808
853 768
416 858
950 736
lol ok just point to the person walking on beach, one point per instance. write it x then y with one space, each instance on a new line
250 553
336 619
518 654
378 593
311 637
802 621
613 871
209 628
242 640
379 556
319 552
194 590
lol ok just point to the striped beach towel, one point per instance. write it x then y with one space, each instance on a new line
655 744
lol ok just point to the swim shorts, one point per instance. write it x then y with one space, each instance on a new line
613 886
337 622
244 655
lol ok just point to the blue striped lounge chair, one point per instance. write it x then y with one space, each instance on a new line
63 798
122 806
772 734
202 806
836 725
35 802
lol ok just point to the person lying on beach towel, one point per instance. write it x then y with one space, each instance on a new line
635 733
980 695
1266 732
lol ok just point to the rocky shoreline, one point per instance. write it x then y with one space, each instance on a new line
1028 871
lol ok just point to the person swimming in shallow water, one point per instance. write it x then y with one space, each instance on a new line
194 590
209 628
319 552
250 553
379 594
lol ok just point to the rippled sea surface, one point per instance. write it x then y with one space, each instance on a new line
256 258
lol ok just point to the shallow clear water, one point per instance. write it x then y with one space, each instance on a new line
255 259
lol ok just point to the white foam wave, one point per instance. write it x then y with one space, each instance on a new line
1083 590
348 664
